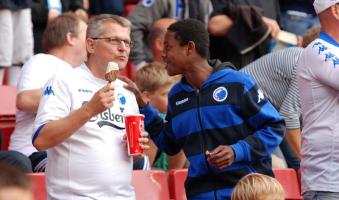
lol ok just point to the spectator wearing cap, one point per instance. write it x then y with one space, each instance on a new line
318 74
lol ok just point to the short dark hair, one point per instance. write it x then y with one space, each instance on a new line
55 34
192 30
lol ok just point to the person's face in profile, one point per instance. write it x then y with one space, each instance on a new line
174 54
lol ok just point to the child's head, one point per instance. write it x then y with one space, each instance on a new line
258 187
154 82
14 184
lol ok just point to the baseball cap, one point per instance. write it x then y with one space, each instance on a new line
321 5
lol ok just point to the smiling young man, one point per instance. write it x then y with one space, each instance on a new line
218 116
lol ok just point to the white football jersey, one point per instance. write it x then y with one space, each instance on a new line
92 163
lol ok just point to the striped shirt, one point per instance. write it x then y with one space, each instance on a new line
275 74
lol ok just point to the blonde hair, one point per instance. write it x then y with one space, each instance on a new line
152 76
256 186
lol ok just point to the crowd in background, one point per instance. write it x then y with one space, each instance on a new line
283 105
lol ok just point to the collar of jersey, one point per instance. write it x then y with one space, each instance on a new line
328 38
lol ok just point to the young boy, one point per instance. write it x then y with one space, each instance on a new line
14 184
258 187
154 82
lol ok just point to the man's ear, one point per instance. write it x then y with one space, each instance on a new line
70 38
146 95
90 45
159 44
190 48
335 11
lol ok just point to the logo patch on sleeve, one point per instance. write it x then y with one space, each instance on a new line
220 94
48 91
260 96
147 3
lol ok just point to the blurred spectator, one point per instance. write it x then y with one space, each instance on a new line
14 184
17 159
154 83
115 7
258 187
148 11
156 37
64 40
43 11
318 75
298 15
240 29
16 37
310 35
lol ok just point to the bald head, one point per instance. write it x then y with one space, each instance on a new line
156 37
159 29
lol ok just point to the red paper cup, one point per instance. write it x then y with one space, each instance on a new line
134 125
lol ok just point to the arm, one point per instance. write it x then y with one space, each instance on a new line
290 111
219 25
159 130
324 63
293 137
29 100
56 131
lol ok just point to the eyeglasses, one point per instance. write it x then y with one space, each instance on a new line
116 41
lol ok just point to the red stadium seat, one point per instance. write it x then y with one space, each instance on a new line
176 180
299 178
7 113
288 179
129 6
150 185
39 185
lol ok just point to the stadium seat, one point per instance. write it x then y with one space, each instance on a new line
176 180
299 178
7 113
39 185
288 179
150 185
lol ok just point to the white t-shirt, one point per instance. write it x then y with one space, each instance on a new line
34 75
318 81
92 163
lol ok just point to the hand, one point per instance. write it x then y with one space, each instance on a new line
272 25
143 140
82 14
142 102
52 14
101 101
219 25
221 157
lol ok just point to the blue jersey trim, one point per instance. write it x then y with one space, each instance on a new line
36 134
328 38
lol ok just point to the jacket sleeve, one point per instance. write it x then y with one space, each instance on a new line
266 123
142 18
160 131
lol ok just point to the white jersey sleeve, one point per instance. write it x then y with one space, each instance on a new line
55 101
323 60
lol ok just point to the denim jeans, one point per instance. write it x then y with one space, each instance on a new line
298 24
319 195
